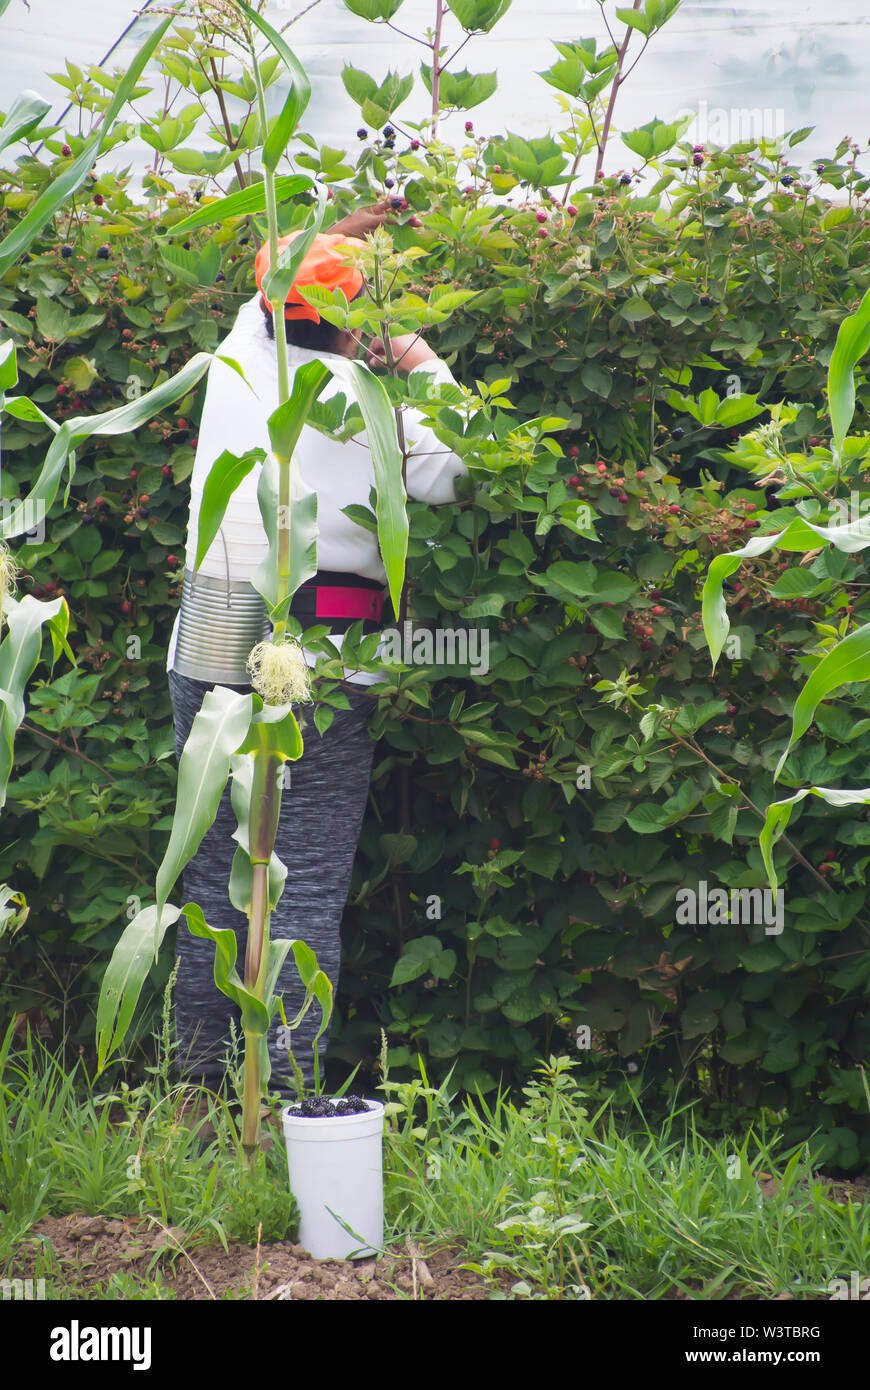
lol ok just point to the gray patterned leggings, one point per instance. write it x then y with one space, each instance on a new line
318 831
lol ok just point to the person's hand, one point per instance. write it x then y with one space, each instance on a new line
364 220
408 349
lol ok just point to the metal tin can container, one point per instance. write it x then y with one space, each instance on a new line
221 621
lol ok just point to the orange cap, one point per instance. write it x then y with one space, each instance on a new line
324 264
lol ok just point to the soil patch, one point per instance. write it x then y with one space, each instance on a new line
90 1249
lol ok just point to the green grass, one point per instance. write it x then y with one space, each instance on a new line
574 1204
558 1199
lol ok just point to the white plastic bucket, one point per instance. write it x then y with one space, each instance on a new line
336 1165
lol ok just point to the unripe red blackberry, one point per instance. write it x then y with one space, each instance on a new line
541 216
571 210
65 151
574 452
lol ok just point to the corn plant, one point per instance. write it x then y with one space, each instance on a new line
846 655
250 736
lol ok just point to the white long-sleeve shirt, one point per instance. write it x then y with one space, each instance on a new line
236 419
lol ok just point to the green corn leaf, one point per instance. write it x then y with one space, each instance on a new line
109 422
218 729
241 877
255 1016
19 652
314 981
380 421
249 202
26 111
799 536
853 340
132 958
276 284
225 476
285 426
8 369
273 732
298 97
285 423
59 190
848 661
779 813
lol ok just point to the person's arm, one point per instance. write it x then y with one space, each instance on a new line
432 467
364 220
